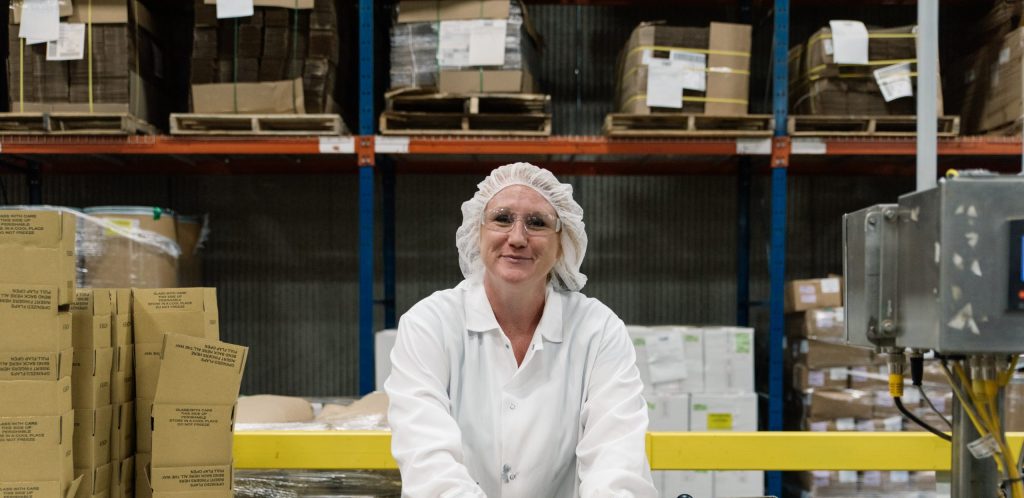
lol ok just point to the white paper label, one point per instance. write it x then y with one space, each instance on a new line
694 75
40 21
70 46
893 424
846 424
850 42
753 146
227 9
1004 55
840 315
808 298
882 398
665 84
911 397
337 145
826 45
848 476
816 378
837 373
830 286
823 320
894 81
984 447
666 357
453 43
808 146
866 426
899 476
819 426
391 145
873 478
487 43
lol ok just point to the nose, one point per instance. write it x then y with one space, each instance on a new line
517 237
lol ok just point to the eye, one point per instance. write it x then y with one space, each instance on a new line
536 222
502 218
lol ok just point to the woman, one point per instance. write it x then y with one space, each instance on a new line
513 384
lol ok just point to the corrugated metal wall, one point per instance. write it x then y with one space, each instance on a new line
283 251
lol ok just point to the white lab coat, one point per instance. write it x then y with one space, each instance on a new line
467 421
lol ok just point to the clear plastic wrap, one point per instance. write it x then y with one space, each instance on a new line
127 246
317 483
414 58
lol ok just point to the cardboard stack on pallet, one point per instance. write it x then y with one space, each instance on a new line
91 375
102 58
464 67
37 422
699 379
834 387
850 79
122 397
687 79
279 58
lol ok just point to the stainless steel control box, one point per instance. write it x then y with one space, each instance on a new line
941 270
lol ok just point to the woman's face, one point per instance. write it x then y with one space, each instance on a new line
522 255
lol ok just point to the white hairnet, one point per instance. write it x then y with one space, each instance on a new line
566 273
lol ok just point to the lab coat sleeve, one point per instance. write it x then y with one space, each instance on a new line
425 439
611 453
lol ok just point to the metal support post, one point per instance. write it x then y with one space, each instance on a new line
777 254
971 477
365 150
743 242
927 74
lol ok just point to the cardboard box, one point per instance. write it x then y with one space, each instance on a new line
992 85
670 358
451 10
271 409
268 97
728 360
92 438
35 397
38 248
91 320
803 295
122 479
486 80
828 482
122 375
35 366
122 432
805 378
121 307
37 448
668 412
739 483
842 424
672 483
65 6
285 4
31 321
143 425
40 489
818 354
189 311
90 378
823 324
192 428
723 412
869 378
726 67
95 481
838 404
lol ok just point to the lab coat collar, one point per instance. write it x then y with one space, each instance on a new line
480 316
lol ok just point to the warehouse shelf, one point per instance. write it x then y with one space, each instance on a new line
665 450
532 146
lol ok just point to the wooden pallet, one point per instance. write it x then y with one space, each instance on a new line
866 126
470 103
73 123
432 123
257 124
687 125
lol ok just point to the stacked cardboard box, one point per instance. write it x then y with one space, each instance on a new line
861 72
834 387
699 379
124 73
701 70
37 422
463 46
281 60
122 397
91 387
176 348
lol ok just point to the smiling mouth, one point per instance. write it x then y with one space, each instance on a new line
517 258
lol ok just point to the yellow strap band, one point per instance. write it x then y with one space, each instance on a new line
821 67
912 74
685 49
706 70
880 36
687 98
89 27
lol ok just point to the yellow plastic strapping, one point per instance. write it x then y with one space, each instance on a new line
687 49
88 25
687 98
716 70
888 62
